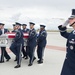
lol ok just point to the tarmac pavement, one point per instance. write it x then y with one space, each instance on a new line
53 59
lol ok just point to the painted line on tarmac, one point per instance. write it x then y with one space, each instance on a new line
56 47
48 47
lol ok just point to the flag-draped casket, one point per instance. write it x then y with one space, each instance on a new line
7 39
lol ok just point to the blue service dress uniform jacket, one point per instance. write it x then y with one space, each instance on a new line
41 41
17 44
32 38
3 49
69 63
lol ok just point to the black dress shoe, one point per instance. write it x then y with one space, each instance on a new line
8 60
1 61
40 61
34 59
30 64
17 66
15 59
26 57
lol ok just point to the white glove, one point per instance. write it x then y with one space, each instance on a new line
65 23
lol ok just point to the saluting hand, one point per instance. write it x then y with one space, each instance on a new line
65 23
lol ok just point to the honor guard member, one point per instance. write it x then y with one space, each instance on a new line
17 44
32 43
3 49
14 31
24 49
25 29
14 28
69 63
41 41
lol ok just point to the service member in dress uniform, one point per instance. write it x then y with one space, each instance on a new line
17 44
14 28
32 43
41 41
14 31
24 49
69 63
25 29
3 49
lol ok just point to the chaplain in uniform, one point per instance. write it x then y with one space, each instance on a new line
3 49
69 63
32 43
41 41
17 44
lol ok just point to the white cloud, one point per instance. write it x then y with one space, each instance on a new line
38 11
